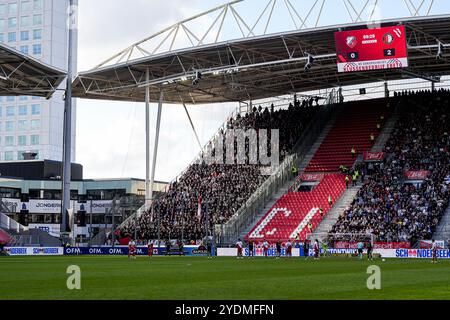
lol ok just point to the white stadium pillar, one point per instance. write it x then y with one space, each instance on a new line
155 147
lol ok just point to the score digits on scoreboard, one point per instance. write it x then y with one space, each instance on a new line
371 49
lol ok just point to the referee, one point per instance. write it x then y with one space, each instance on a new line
306 248
278 245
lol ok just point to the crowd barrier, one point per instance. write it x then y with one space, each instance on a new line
117 250
140 251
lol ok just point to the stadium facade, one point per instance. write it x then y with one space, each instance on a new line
33 124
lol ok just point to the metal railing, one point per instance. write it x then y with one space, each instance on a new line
25 241
120 205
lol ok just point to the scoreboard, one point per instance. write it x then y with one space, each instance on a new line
371 49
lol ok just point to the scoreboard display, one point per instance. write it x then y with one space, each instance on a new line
371 49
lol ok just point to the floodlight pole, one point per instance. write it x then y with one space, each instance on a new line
67 135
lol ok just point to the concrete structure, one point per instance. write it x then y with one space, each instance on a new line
31 124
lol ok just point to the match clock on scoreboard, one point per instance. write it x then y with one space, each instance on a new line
371 49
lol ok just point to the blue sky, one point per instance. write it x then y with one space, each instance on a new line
110 135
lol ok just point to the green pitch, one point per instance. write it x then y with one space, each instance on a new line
116 277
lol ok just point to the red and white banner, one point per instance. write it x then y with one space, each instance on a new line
374 156
376 245
308 177
417 175
427 244
371 49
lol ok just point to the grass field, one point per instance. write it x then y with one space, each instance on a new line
116 277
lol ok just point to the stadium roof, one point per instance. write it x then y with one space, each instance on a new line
258 67
22 75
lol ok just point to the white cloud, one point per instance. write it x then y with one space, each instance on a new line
109 26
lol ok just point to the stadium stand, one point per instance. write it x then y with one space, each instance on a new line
291 214
388 206
352 129
223 187
4 237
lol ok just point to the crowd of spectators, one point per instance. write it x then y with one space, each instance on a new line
388 206
223 188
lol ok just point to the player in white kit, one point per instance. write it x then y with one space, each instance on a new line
434 248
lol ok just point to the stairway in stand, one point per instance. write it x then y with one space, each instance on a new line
341 205
443 229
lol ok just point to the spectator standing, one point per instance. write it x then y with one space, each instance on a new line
294 171
354 179
310 227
